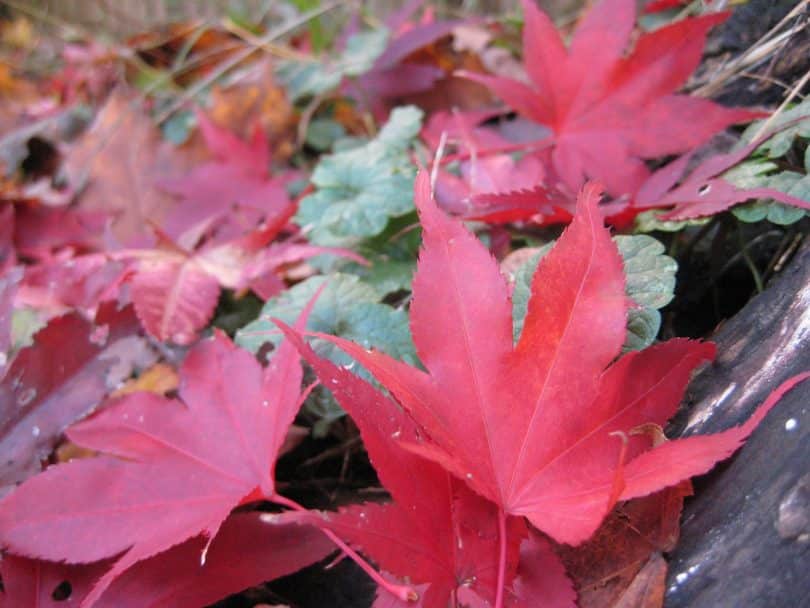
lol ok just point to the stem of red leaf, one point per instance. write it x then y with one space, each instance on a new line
403 592
501 558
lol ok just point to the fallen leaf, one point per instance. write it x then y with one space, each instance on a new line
608 109
115 166
246 552
47 387
174 470
436 532
547 429
703 191
634 535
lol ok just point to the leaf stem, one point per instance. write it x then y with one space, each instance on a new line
501 558
749 261
403 592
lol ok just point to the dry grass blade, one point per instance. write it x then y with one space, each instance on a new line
761 50
239 57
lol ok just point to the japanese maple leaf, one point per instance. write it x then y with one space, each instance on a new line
173 468
46 387
609 110
436 532
392 76
67 282
703 191
175 291
495 187
546 428
246 552
234 190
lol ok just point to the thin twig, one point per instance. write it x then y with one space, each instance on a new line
306 118
274 49
757 52
795 91
769 79
404 593
749 261
501 558
437 159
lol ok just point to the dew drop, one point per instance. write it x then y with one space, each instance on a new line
396 434
204 554
703 191
469 475
3 358
35 431
27 396
265 403
791 424
681 577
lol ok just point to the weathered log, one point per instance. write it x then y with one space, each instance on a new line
745 538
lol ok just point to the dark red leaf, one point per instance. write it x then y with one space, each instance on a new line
174 469
246 552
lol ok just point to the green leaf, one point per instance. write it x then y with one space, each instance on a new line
522 289
177 129
750 174
755 211
361 52
649 271
323 133
649 221
402 127
643 325
347 307
789 182
307 78
650 283
304 79
361 189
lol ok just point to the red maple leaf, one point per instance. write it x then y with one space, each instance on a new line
246 552
703 191
234 191
609 110
175 291
46 386
547 428
493 187
173 469
436 532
